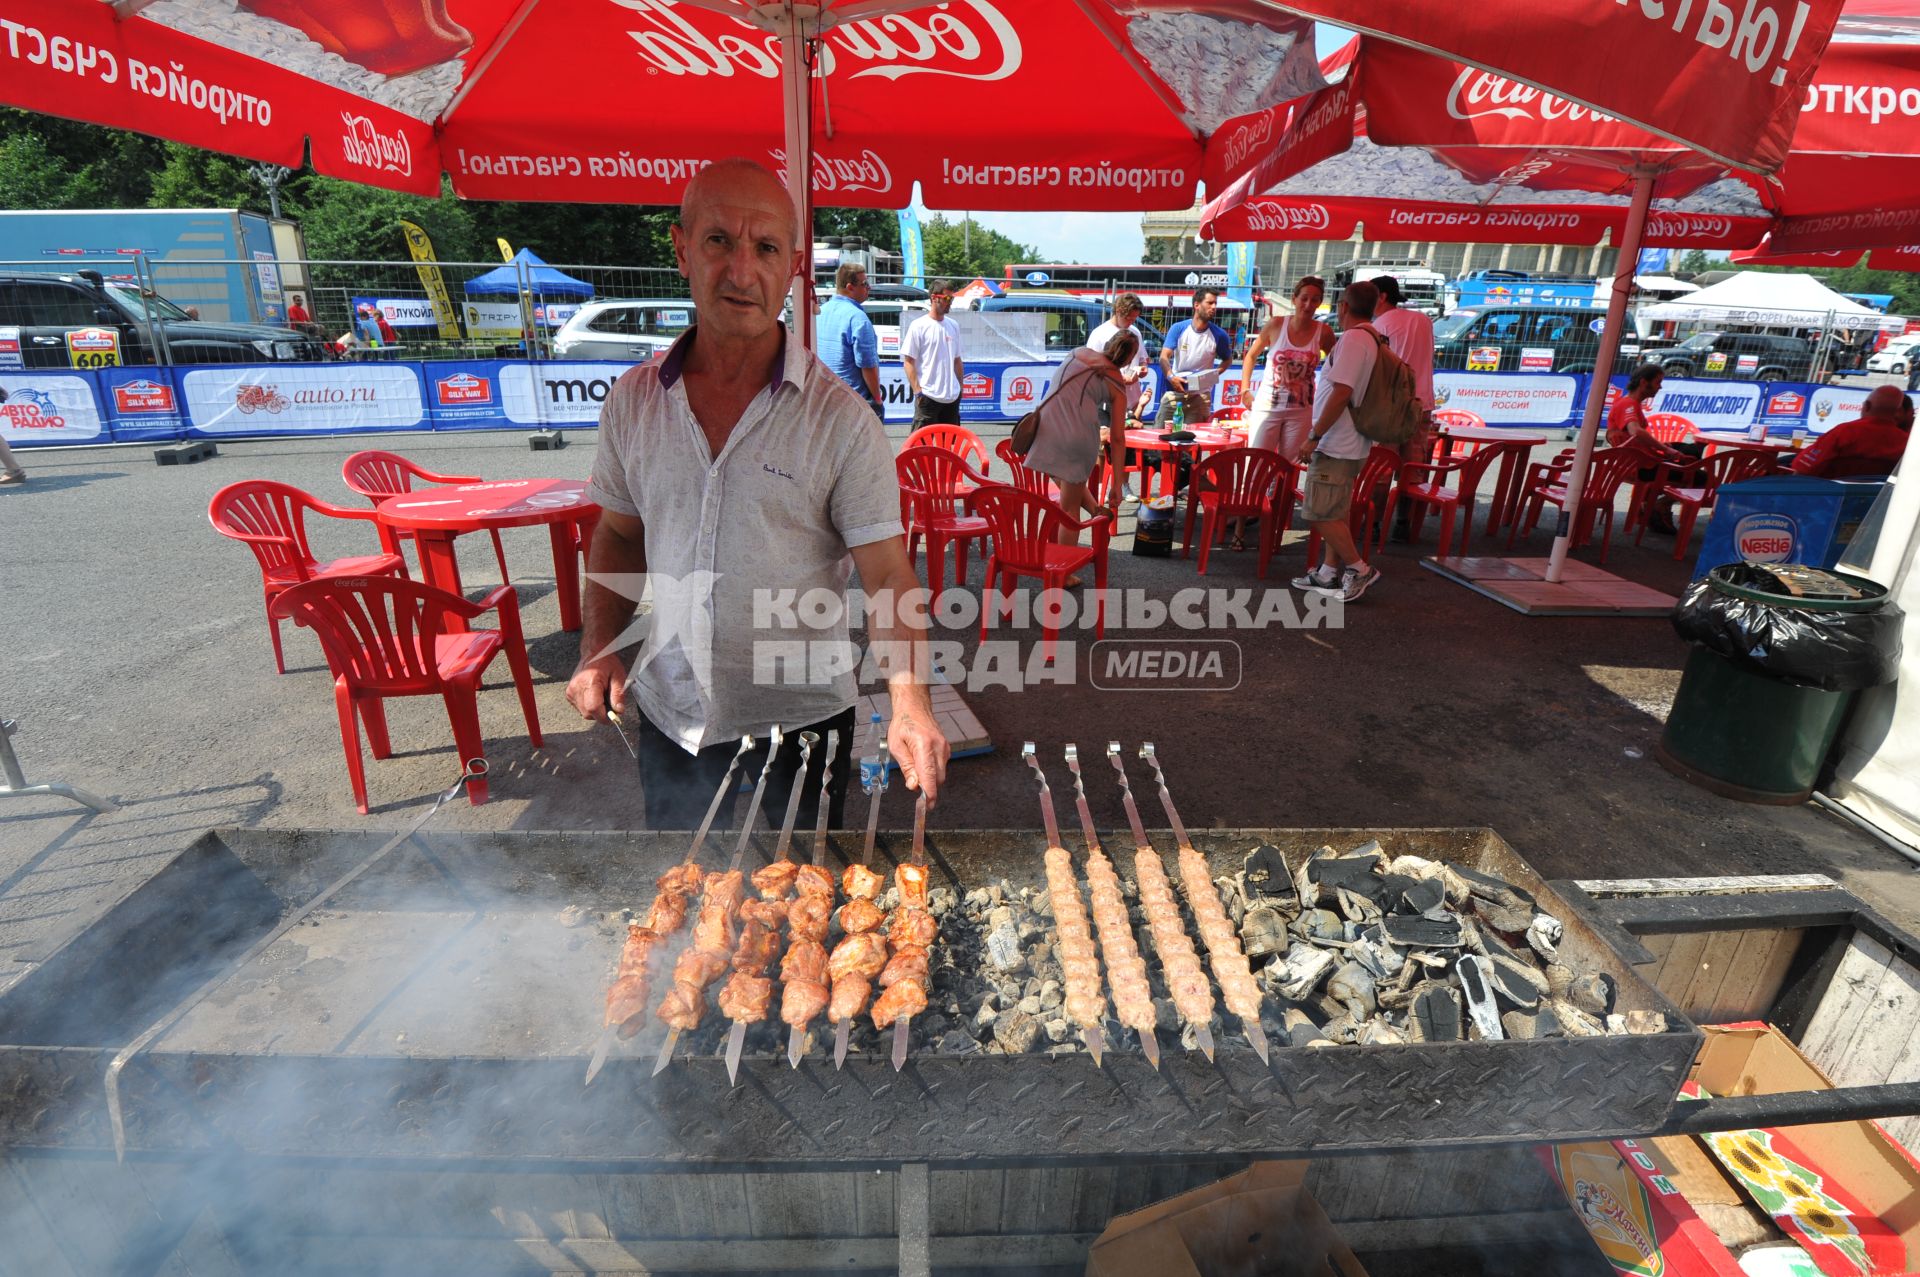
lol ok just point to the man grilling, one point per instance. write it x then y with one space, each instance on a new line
738 473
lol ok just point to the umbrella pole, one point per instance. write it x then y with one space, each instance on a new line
795 71
1602 369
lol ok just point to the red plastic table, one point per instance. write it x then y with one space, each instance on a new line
1506 490
435 516
1728 439
1205 439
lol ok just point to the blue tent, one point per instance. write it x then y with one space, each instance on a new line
526 268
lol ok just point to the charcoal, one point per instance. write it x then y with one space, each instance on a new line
1525 1026
1319 925
1491 887
1637 1022
1434 1015
1358 907
1305 886
1422 932
1476 983
954 1042
1502 918
1544 934
1304 968
1016 1032
1263 931
1266 873
1373 952
1421 895
1512 989
1302 1031
1355 873
1593 993
1577 1022
1513 969
1003 949
1354 986
1056 1030
1377 1032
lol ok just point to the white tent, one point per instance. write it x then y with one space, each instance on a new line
1763 299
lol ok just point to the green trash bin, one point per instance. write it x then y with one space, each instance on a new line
1772 675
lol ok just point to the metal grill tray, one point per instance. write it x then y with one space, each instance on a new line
438 1008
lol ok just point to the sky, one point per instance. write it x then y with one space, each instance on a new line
1098 239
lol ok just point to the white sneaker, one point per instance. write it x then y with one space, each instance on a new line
1323 578
1354 582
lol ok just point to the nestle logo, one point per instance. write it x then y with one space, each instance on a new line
143 396
1142 665
362 143
464 388
1765 538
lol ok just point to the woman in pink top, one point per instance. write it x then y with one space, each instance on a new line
1283 410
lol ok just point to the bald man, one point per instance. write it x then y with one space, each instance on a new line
740 474
1871 444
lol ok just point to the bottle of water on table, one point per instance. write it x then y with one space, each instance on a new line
873 774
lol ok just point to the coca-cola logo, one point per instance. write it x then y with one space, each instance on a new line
965 40
1240 142
362 143
1273 215
1690 224
1476 94
863 172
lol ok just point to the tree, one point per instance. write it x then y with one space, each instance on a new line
965 249
1694 261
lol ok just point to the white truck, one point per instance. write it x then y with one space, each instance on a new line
1422 287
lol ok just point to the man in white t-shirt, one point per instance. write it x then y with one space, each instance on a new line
930 356
1409 335
1196 352
1338 449
1126 309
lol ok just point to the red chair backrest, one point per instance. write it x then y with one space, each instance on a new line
1668 427
1443 417
1607 470
263 508
1023 525
955 439
378 475
378 631
929 476
1024 478
1245 478
1377 473
1736 465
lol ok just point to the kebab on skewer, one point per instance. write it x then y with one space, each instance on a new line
1186 978
641 955
1086 1003
803 971
1229 962
714 938
911 930
860 956
1126 969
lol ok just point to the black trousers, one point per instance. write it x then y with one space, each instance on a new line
932 412
678 785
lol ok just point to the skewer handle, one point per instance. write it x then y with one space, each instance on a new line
719 796
1166 799
1126 796
825 807
1046 796
753 807
1080 801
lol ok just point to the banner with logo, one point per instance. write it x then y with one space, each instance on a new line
913 249
44 408
428 266
1710 405
302 398
401 312
1517 400
1653 261
556 394
143 404
465 395
1240 272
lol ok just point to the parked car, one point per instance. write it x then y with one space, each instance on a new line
1070 319
1898 355
48 308
1740 357
1522 339
633 331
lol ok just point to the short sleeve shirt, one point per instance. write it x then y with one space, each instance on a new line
1409 335
847 341
933 345
1354 355
1099 337
737 544
1857 449
1198 347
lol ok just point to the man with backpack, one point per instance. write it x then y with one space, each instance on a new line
1365 396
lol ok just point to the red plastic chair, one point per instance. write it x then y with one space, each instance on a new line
955 439
1240 483
1607 470
379 475
1026 542
1376 474
1443 418
1669 427
1433 493
270 518
388 637
1730 465
931 482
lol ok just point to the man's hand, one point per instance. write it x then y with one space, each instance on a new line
1178 382
1307 446
598 688
916 743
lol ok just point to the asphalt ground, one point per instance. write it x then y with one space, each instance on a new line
133 652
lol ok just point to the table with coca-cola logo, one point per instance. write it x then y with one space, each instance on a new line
436 516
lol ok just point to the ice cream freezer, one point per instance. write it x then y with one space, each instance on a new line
1785 519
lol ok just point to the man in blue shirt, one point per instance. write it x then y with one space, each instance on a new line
846 338
1195 352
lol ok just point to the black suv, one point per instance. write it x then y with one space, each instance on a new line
1739 357
1521 339
45 308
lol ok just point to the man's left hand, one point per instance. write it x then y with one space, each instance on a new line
918 746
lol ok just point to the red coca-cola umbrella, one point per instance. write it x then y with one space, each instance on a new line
1900 257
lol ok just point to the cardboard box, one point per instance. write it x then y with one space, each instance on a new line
1259 1223
1628 1195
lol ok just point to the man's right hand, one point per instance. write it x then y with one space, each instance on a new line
598 688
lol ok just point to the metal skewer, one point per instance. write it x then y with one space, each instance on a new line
876 786
919 858
1091 1035
613 716
746 835
796 1039
607 1035
737 1036
1202 1034
1255 1034
1149 1041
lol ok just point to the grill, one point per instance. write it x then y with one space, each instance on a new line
442 1005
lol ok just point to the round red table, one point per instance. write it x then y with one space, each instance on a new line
1205 439
1715 439
435 516
1506 489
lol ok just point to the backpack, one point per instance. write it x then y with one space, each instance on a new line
1388 413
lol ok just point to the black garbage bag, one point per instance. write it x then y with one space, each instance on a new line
1742 612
